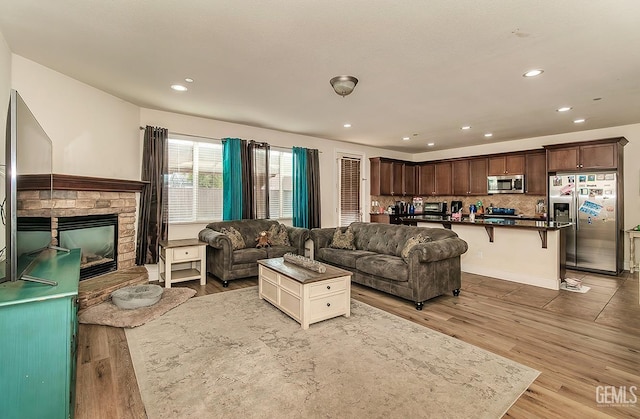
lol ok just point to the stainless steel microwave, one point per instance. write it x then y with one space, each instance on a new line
505 184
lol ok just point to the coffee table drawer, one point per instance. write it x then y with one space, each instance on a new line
268 274
327 287
327 307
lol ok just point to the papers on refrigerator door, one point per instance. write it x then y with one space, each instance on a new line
590 208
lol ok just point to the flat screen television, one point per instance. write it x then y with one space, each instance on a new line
27 151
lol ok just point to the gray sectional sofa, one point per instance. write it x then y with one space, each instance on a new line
227 263
430 269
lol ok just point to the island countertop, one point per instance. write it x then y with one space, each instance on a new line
514 222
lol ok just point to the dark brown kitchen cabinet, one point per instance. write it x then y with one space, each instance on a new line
509 164
381 176
409 179
536 173
470 177
592 155
380 218
434 179
392 177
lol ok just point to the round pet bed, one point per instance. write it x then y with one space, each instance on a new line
136 296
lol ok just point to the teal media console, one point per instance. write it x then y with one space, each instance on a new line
38 340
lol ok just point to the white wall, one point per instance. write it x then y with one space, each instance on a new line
93 133
5 88
183 124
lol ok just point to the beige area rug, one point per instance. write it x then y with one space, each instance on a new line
109 314
232 355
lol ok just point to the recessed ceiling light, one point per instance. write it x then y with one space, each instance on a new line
564 109
188 80
488 134
347 125
466 127
533 73
431 144
578 121
179 87
405 138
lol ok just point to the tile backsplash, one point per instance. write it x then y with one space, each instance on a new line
523 204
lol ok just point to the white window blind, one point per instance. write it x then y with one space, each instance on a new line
194 180
349 192
280 184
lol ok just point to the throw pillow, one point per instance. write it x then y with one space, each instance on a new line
411 243
343 240
278 235
237 242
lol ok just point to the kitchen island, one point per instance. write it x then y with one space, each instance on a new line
524 251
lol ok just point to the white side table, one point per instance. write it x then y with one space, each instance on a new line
633 234
173 252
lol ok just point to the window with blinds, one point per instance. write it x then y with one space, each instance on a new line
349 192
194 180
280 184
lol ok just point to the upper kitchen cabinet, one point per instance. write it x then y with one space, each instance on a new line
392 177
594 155
470 176
509 164
434 179
381 176
536 173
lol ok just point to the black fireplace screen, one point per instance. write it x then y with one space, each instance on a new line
97 236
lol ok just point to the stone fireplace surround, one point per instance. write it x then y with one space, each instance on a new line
80 196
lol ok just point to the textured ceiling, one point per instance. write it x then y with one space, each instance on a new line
426 68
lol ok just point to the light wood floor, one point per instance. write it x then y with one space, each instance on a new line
577 341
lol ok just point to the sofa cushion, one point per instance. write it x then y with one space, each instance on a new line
279 251
343 240
385 266
278 235
237 242
249 255
341 257
412 242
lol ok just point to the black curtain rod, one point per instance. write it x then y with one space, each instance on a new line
219 139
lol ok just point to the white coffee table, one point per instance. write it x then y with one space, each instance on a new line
306 296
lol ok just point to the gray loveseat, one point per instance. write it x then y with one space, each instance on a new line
430 269
226 263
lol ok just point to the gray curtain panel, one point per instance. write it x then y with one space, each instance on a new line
153 217
255 176
313 187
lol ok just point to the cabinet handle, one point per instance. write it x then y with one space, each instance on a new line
328 287
328 304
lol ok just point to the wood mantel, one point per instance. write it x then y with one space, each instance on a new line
78 183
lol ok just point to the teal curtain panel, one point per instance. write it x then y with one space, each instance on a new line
232 178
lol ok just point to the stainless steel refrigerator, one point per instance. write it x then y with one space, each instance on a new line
591 202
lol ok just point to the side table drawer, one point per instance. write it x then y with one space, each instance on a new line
186 253
327 287
326 307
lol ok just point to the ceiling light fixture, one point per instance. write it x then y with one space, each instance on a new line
533 73
564 109
578 121
466 127
431 144
405 138
343 85
488 134
188 80
347 125
179 88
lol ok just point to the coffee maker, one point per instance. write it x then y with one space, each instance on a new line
456 206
